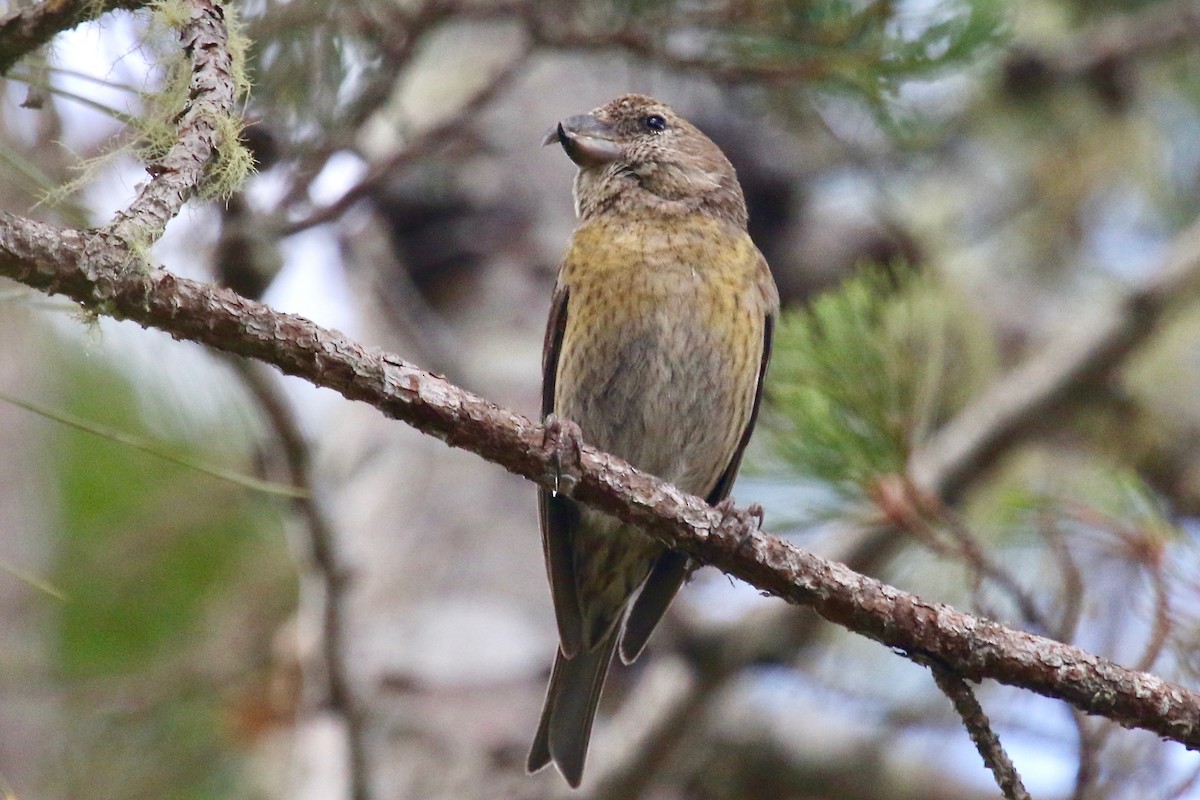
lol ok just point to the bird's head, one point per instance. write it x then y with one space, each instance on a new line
635 152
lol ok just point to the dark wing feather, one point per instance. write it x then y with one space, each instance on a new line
672 567
668 574
556 326
559 515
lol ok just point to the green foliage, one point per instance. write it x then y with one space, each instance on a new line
867 51
863 375
175 582
1042 487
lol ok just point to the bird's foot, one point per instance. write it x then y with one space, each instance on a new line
562 440
746 521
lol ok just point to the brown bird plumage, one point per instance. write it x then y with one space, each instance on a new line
659 336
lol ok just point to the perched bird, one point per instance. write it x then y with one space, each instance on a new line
658 339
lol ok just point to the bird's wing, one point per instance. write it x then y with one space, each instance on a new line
671 568
559 515
725 483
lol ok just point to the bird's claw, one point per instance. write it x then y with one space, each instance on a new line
747 521
562 440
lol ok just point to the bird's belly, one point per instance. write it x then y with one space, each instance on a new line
664 391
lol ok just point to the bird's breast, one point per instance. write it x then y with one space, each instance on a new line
663 342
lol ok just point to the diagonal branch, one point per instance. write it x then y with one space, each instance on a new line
969 443
1101 51
88 270
981 733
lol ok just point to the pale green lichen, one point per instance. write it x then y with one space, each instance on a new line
154 131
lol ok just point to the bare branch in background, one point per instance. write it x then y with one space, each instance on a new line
334 692
416 149
651 39
1103 53
1040 386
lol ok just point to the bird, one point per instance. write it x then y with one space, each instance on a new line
657 343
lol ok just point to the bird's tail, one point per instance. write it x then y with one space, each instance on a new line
571 700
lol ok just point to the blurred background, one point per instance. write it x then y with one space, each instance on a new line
943 188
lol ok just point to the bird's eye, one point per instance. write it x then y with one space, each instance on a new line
655 122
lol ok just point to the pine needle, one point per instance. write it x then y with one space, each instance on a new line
146 446
866 373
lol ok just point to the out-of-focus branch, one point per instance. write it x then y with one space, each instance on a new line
90 272
1098 52
1155 29
175 178
936 526
970 443
416 149
23 31
981 733
649 38
335 692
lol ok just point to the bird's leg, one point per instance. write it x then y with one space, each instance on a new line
562 440
748 520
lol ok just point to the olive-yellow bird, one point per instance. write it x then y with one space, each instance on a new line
658 340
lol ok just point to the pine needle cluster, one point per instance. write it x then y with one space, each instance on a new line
866 372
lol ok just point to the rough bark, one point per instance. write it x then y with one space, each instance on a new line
93 272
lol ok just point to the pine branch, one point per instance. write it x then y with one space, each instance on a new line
980 730
90 270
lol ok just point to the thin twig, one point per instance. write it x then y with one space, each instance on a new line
416 149
919 515
337 694
1072 579
1163 624
981 733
